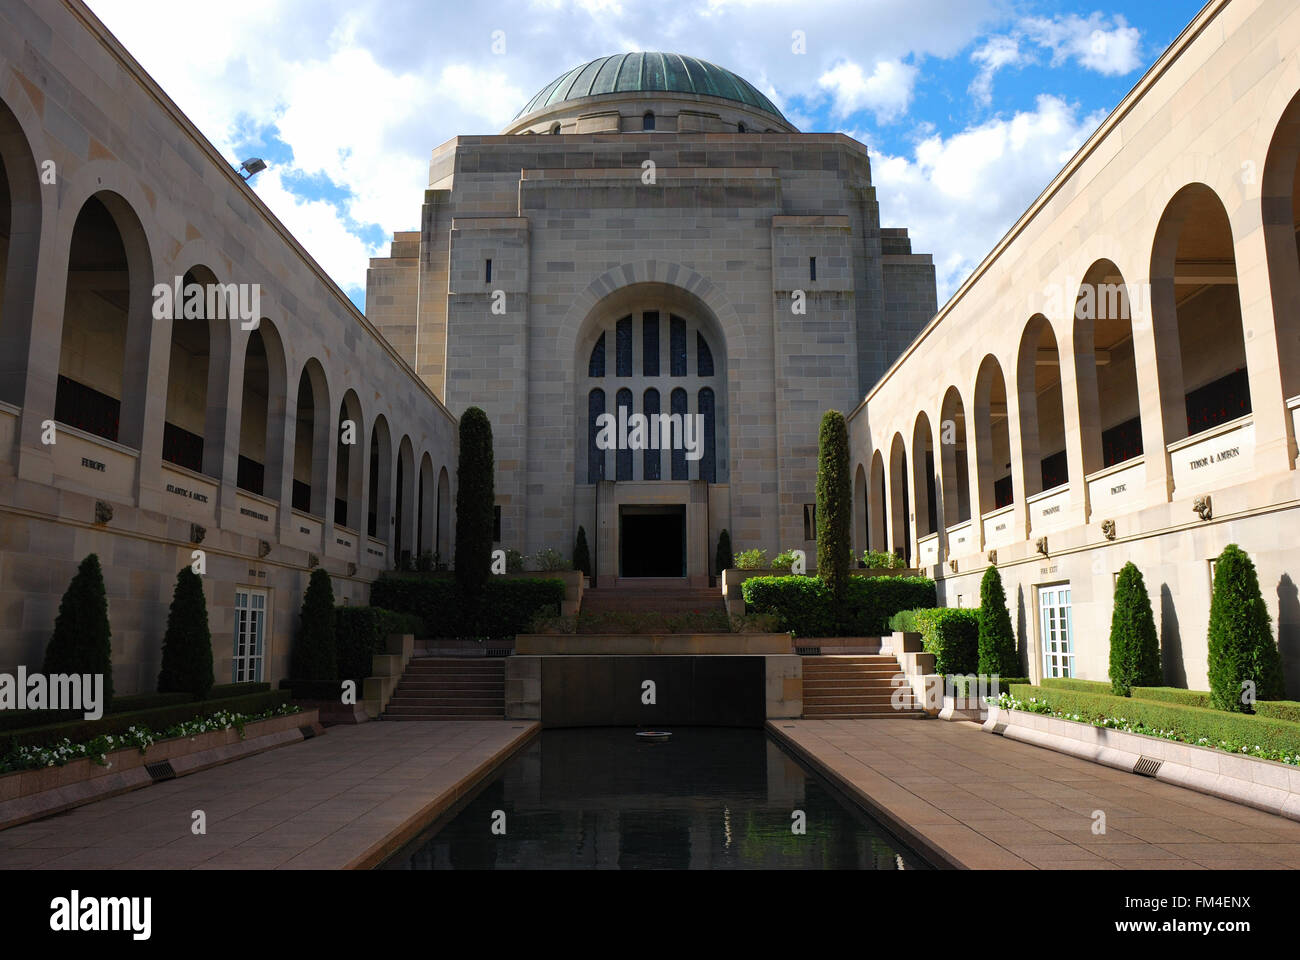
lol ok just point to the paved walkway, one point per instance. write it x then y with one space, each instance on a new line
986 802
346 799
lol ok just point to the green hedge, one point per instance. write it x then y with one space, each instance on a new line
963 683
953 637
1276 709
1191 723
362 632
508 608
157 718
26 719
805 606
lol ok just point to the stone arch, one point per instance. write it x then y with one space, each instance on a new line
954 459
923 492
444 516
861 512
263 413
379 508
1196 314
427 511
992 437
21 215
311 440
1041 406
1280 212
404 511
900 527
349 461
878 499
1106 366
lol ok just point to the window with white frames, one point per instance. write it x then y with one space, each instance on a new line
250 635
1056 630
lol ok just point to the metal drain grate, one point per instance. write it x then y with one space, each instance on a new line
999 728
307 732
808 651
1147 766
160 771
499 651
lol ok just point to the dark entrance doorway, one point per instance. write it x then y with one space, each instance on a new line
652 541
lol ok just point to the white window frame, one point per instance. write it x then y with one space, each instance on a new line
1053 613
248 661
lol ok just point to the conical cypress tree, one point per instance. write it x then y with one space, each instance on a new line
1134 648
315 651
723 559
82 641
187 645
581 555
997 644
1240 640
474 504
834 503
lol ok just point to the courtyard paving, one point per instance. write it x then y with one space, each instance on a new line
976 800
346 799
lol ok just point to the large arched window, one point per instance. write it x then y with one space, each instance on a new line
648 121
669 401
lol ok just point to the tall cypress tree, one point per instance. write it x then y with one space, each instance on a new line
834 503
475 500
724 559
315 650
1240 640
997 643
1134 647
187 645
581 554
82 641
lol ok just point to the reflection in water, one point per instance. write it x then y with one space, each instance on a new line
710 798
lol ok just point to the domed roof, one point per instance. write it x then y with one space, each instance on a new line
649 73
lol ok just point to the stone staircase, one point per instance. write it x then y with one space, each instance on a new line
450 688
860 687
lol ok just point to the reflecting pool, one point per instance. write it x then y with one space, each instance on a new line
709 798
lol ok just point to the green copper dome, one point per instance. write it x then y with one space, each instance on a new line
649 73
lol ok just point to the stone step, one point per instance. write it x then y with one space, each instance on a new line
488 702
471 710
869 714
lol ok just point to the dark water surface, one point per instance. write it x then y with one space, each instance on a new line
711 798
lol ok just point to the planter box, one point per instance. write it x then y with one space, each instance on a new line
1263 784
31 794
574 582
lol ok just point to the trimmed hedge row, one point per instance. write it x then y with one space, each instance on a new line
1192 723
157 718
362 632
806 607
1277 709
26 719
507 608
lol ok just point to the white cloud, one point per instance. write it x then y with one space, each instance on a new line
1112 50
958 195
887 91
992 56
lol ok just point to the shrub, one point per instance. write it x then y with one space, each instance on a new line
783 561
1134 648
187 645
551 560
904 621
722 558
751 560
834 502
514 561
425 562
581 555
1081 686
1241 647
508 607
315 650
997 644
362 632
1191 724
952 636
475 504
806 606
880 560
82 641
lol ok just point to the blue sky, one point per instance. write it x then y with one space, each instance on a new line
969 107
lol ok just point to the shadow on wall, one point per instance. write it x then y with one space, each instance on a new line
1288 633
1022 632
1171 642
